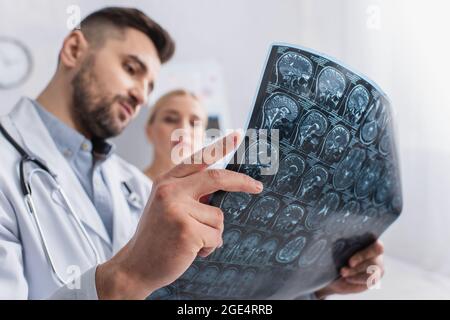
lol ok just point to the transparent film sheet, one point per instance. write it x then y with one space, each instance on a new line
335 189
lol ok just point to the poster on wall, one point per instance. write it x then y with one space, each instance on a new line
204 79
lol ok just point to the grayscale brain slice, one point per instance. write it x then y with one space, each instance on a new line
230 240
311 254
313 182
228 275
290 169
235 203
291 250
368 178
263 253
311 129
289 218
259 155
296 71
385 144
344 217
203 280
224 282
375 121
264 210
348 169
385 187
331 87
277 108
335 143
357 103
246 248
326 206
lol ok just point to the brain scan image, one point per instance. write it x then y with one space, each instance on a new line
385 187
230 240
344 218
368 178
374 122
348 169
235 203
294 72
224 282
280 111
385 144
289 218
262 254
312 183
330 88
357 103
291 250
246 248
203 280
311 254
335 144
259 159
326 206
185 281
310 131
289 172
331 183
263 211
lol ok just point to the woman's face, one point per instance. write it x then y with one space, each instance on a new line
181 112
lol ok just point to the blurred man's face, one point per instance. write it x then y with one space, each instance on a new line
114 83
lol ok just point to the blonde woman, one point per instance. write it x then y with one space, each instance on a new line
176 127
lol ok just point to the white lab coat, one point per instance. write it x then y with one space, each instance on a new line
24 270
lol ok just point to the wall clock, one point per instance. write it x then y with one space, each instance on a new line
15 63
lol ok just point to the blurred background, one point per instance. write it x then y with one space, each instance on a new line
221 46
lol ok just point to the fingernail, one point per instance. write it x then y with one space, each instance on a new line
259 186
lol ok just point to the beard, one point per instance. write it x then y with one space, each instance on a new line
94 113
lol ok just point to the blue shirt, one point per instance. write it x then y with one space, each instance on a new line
86 158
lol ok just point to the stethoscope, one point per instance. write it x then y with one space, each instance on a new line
25 185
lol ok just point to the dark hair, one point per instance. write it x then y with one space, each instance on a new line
122 18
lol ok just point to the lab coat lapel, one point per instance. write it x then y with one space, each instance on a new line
123 225
39 143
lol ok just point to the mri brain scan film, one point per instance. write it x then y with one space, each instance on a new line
336 188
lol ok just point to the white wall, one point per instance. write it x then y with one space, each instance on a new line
404 51
236 34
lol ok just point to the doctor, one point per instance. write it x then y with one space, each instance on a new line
78 222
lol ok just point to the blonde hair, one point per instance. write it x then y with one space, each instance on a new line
163 99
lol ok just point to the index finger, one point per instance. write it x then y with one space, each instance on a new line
210 181
206 157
